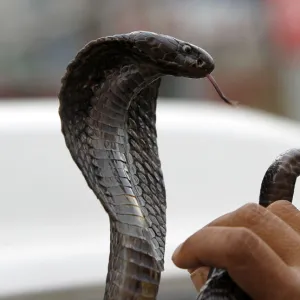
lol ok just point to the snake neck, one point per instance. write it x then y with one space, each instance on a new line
132 273
112 139
137 242
280 178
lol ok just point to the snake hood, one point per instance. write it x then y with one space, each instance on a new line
172 56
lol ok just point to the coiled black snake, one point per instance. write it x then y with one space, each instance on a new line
108 116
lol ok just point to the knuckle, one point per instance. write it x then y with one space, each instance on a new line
252 214
242 242
281 207
287 212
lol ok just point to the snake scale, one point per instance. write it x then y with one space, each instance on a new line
108 119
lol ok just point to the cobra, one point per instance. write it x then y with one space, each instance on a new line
108 119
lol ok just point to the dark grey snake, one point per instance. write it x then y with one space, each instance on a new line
108 116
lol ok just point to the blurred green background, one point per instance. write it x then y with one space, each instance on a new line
255 44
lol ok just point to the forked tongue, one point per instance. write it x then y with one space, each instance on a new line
220 93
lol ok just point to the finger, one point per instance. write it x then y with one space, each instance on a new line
269 227
251 263
287 212
199 277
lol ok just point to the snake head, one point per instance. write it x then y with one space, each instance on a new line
172 56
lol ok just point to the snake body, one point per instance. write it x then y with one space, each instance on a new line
108 117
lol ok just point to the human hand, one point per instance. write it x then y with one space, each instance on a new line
259 247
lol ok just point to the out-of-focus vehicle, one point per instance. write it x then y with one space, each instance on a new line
54 233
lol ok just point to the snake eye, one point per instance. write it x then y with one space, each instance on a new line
187 49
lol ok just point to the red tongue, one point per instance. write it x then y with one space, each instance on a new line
215 85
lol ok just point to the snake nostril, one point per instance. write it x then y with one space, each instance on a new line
200 62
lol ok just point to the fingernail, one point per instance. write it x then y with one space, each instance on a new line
199 277
175 253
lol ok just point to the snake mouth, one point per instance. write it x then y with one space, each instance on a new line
220 93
